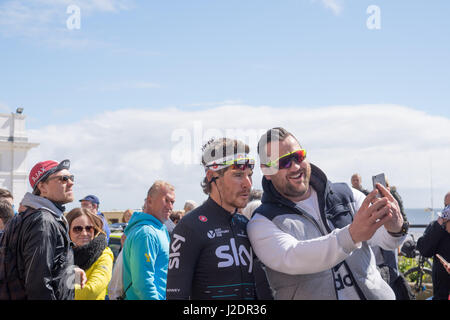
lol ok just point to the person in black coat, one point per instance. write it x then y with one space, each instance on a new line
36 260
436 240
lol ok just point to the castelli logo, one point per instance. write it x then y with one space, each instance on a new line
202 218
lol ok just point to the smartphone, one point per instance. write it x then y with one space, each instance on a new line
381 179
442 259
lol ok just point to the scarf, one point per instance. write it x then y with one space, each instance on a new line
86 255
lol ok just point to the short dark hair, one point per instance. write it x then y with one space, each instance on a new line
274 134
5 193
6 211
176 216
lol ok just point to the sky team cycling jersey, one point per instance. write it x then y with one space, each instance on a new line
211 256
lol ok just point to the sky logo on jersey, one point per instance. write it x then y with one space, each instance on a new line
234 256
174 256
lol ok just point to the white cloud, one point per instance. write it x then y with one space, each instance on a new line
45 20
334 5
212 104
102 5
117 155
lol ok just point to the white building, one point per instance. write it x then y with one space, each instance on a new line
14 147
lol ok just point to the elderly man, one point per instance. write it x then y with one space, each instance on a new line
146 248
189 205
313 234
38 239
357 183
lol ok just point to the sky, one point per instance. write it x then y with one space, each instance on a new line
129 90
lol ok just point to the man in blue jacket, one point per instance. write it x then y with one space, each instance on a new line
146 248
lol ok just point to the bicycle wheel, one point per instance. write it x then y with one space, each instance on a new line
416 270
418 277
428 264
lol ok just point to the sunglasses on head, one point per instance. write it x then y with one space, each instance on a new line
64 178
79 229
285 161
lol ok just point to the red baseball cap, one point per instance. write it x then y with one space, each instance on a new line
43 169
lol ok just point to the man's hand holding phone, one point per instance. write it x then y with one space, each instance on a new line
444 262
381 179
372 214
395 223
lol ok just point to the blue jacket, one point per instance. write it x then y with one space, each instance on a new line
145 258
105 225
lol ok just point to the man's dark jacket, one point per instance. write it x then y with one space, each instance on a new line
437 240
37 257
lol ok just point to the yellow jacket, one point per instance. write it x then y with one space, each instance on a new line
98 277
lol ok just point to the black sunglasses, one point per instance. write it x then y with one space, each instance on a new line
285 161
79 229
63 178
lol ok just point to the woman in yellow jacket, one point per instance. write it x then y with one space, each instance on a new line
91 253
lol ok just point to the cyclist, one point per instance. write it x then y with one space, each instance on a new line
210 254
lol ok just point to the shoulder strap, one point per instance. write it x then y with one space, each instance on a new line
124 294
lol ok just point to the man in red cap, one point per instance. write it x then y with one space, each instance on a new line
37 259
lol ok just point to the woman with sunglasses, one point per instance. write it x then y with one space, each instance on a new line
91 253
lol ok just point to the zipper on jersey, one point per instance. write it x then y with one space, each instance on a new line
241 266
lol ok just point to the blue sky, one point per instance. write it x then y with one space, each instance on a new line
155 54
198 55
